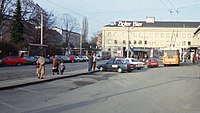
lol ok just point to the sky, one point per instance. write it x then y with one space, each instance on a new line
104 12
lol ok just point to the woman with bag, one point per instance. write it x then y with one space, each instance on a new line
40 66
55 65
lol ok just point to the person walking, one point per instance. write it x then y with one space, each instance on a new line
94 60
90 60
62 68
55 65
41 66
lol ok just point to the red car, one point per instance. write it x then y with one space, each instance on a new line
152 62
13 60
72 58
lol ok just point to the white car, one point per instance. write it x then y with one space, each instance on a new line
138 64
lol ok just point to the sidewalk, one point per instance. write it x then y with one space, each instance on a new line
19 82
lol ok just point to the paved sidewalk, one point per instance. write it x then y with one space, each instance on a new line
19 82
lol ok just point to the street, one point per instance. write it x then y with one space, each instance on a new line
14 72
173 89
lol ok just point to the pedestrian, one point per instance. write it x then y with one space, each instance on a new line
41 66
62 68
55 65
94 60
90 60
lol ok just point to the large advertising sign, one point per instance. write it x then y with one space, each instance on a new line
128 24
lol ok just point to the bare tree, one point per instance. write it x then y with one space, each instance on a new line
5 13
85 29
70 24
31 13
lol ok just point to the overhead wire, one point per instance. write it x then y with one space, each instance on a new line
72 11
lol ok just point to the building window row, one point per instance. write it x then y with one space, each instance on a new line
153 35
140 42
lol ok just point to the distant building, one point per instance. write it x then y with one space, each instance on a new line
149 34
74 37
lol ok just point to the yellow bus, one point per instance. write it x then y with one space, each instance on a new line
170 57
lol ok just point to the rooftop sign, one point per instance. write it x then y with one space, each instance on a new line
128 24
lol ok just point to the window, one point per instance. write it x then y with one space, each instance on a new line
189 43
178 43
124 34
124 41
167 43
109 41
156 35
168 35
135 34
162 35
157 42
151 34
162 43
135 42
145 42
130 42
115 34
140 42
115 42
183 43
183 35
189 35
109 33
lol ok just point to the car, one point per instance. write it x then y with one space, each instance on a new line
72 58
13 60
138 64
81 58
85 58
30 59
152 62
63 58
119 65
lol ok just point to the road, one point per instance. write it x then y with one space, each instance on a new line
157 90
14 72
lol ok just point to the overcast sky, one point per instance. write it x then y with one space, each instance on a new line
102 12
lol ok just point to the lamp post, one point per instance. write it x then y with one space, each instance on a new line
128 44
41 29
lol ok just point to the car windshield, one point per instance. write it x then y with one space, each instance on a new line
135 60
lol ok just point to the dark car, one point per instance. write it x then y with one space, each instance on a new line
152 62
119 65
13 60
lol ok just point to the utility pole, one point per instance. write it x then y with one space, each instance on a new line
41 29
128 46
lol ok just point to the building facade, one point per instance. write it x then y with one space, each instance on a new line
74 37
149 34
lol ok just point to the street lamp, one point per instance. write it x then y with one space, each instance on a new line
128 44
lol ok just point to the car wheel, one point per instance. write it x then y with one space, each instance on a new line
101 68
19 64
119 70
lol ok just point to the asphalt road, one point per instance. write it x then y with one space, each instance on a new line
156 90
14 72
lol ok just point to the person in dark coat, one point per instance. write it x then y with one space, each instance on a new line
55 65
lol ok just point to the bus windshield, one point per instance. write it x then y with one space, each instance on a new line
170 53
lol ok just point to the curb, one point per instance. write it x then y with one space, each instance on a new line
43 80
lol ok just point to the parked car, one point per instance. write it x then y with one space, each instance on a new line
30 59
81 58
152 62
72 58
13 60
63 58
138 64
85 58
119 65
